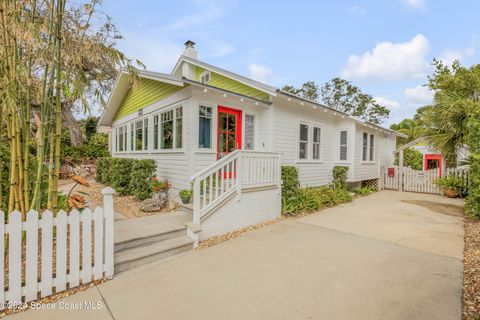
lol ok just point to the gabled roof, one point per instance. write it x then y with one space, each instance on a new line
244 80
121 87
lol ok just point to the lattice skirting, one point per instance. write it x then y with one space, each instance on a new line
373 183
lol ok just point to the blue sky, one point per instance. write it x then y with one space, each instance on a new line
384 47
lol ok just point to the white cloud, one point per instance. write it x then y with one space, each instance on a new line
449 56
414 4
390 104
260 72
390 61
419 95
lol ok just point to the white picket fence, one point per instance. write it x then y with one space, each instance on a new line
73 259
412 180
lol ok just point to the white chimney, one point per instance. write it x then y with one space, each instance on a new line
190 50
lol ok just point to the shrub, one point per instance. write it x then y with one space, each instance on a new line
119 175
127 176
364 191
290 182
450 182
186 195
141 177
340 177
411 158
313 199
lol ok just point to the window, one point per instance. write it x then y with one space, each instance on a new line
120 139
155 132
138 135
205 127
343 145
132 137
205 77
316 143
178 127
303 144
364 146
166 139
372 147
249 131
145 134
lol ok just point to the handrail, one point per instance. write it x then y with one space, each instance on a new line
216 182
215 164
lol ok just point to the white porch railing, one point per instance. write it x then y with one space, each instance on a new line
73 249
229 175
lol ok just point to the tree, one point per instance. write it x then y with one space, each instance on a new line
346 97
343 96
52 60
456 98
413 128
453 122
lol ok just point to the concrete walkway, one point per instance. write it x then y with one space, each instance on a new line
376 258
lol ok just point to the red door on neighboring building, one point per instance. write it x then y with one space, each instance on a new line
432 161
229 130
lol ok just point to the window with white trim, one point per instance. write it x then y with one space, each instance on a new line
132 137
372 147
205 127
205 77
121 139
168 129
179 127
316 145
343 145
303 143
141 135
364 146
249 131
156 126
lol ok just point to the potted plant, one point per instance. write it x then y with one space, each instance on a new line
185 195
451 185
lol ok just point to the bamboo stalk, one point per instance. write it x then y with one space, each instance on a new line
58 103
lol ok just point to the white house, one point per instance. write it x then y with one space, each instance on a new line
191 119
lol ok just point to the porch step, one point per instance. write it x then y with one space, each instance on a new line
139 240
134 257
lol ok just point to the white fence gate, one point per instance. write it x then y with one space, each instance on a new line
75 248
412 180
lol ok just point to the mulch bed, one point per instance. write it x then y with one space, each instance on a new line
471 273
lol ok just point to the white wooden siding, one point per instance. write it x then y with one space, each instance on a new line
255 207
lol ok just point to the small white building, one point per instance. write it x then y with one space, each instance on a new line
191 119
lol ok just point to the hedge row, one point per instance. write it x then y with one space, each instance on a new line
296 200
127 176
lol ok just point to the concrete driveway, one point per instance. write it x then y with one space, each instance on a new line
391 255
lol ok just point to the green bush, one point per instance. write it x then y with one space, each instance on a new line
340 177
127 176
120 174
95 147
186 195
313 199
142 173
411 158
290 182
364 191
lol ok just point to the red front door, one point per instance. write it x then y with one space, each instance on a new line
229 130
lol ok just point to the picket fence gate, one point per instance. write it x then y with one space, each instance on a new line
412 180
74 262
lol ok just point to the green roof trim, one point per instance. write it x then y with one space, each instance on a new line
145 94
222 82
